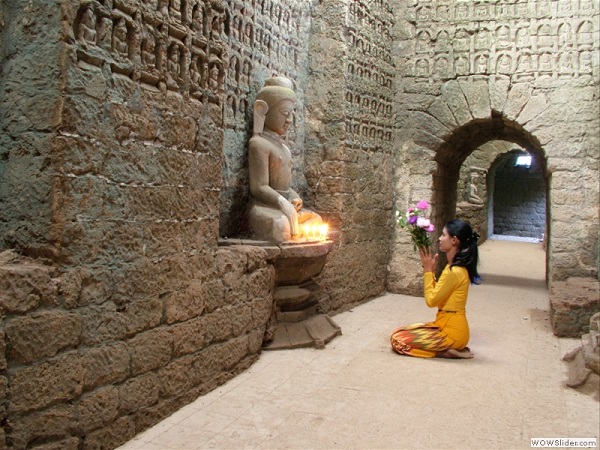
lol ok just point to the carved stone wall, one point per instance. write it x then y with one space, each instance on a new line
524 72
349 156
121 307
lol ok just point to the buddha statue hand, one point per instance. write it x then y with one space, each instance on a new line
297 202
290 211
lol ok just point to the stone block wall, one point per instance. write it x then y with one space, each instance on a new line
519 200
111 149
81 371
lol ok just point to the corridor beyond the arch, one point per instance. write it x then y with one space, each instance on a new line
357 394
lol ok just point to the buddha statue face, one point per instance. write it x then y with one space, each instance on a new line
274 106
279 116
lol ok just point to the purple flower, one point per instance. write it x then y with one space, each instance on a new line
412 220
422 204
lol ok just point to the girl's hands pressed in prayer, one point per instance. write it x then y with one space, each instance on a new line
428 259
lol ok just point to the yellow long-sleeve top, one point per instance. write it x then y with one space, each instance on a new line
449 294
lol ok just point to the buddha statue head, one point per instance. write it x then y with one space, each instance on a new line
277 97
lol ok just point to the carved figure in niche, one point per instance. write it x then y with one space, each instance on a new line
198 18
245 74
175 9
149 48
525 64
585 62
503 37
545 63
173 65
545 37
461 40
473 185
442 12
522 9
585 35
504 64
248 34
566 63
523 39
234 70
461 65
275 210
440 68
564 6
243 109
119 38
214 75
586 6
442 41
104 36
422 68
544 8
481 63
424 13
482 11
483 40
565 35
502 10
197 70
462 11
235 28
230 109
217 27
87 27
423 40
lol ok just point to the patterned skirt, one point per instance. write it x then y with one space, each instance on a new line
423 340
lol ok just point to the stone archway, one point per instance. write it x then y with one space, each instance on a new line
465 114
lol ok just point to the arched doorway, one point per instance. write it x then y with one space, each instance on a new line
517 197
452 156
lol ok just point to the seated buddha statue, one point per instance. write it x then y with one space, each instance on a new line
275 210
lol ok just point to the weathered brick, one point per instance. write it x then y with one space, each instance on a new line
54 423
185 304
42 335
111 436
97 409
138 393
54 381
189 337
150 350
104 365
24 287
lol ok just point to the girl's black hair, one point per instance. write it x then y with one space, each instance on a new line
468 254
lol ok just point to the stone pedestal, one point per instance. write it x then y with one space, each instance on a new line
296 295
299 324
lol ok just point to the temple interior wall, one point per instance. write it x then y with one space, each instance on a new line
470 73
122 163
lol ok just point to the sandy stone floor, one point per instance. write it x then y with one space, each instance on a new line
357 394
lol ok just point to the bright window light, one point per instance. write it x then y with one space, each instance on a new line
524 161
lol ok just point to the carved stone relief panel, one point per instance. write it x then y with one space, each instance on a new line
163 44
529 40
370 71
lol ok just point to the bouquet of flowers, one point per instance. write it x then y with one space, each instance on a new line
418 226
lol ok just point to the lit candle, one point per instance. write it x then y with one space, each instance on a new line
324 229
306 231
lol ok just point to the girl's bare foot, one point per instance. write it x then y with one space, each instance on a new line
452 353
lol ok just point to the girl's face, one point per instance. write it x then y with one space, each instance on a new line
279 117
447 241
